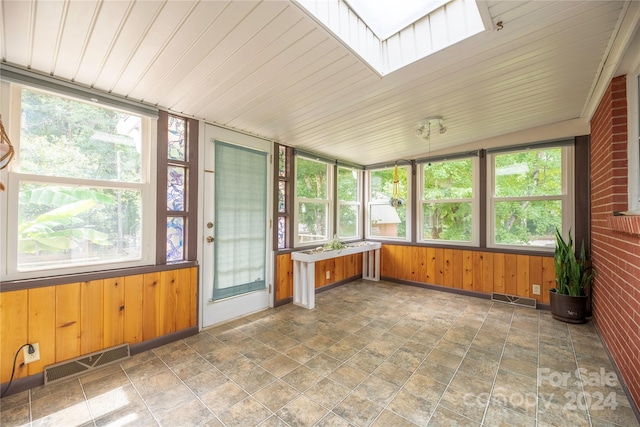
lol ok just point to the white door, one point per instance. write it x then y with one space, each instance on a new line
237 248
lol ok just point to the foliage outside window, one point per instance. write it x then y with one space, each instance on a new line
78 187
529 196
313 201
384 219
447 201
349 203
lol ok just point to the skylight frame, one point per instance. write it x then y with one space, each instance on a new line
423 37
366 14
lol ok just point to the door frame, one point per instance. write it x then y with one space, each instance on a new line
209 133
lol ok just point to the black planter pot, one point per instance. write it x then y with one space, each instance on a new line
567 308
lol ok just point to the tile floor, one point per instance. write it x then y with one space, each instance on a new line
371 353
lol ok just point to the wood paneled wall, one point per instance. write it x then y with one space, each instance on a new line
79 318
340 268
476 271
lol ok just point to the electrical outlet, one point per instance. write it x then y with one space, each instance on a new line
327 274
536 289
33 357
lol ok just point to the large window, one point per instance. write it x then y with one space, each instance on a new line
349 211
530 196
388 199
313 201
447 208
79 188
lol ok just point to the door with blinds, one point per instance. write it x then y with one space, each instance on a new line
237 251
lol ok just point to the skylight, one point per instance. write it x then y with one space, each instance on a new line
387 17
391 34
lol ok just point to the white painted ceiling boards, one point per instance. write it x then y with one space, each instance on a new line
270 69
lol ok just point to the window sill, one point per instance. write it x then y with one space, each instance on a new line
625 224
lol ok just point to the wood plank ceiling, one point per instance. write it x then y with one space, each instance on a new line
269 69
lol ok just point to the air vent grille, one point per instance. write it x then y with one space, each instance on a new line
514 300
86 363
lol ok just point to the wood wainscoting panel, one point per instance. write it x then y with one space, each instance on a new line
91 316
42 326
113 313
284 277
133 298
470 270
79 318
68 315
14 313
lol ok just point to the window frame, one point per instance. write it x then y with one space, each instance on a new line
357 203
189 214
566 197
288 181
369 203
474 200
328 202
12 107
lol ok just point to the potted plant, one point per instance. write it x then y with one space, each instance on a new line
573 277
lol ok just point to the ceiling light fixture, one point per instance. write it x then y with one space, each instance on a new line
424 129
425 126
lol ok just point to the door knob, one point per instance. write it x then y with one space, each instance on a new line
209 239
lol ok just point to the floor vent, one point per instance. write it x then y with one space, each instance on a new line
83 364
515 300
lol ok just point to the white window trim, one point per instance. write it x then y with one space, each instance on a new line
328 202
567 198
633 145
408 204
358 205
11 107
475 207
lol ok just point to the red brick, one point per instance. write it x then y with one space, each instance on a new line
615 249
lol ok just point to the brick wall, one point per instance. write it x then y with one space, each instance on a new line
615 250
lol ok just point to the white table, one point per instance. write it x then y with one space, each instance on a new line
304 267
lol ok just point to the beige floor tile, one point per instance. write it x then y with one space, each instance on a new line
301 412
498 415
248 412
302 378
358 410
327 393
15 415
388 418
223 397
412 408
443 417
376 390
276 395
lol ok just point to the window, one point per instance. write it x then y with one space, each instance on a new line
177 188
349 211
79 188
284 196
448 211
387 203
530 196
313 202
